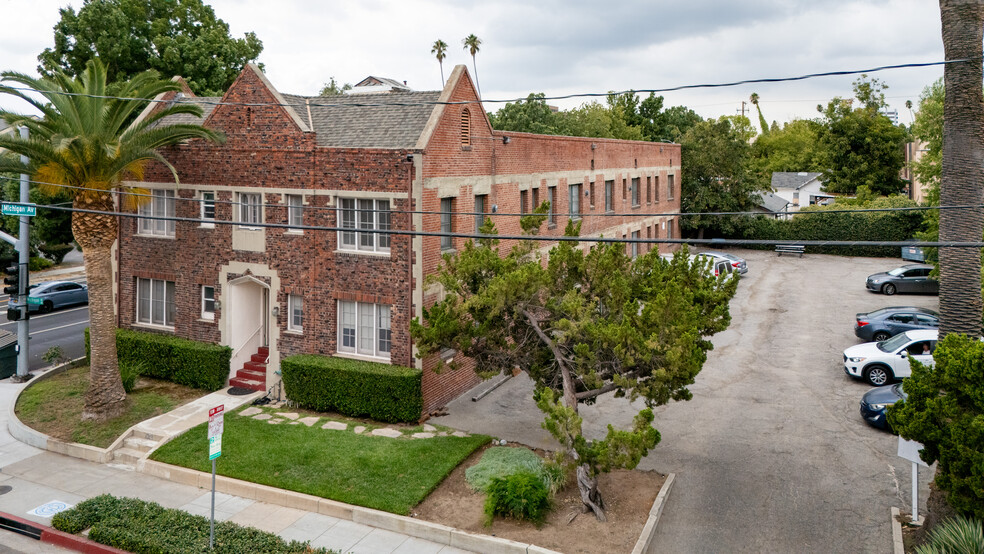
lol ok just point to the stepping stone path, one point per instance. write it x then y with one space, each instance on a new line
429 431
423 435
250 411
289 415
461 434
387 432
335 426
262 416
275 421
309 421
294 423
429 428
359 429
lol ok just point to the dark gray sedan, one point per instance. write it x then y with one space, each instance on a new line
887 322
912 278
56 294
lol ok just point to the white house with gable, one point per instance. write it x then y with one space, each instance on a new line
799 188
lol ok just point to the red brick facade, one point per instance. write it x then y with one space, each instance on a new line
270 151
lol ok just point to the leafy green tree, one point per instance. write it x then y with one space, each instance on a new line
928 128
674 122
715 155
174 37
86 140
587 322
532 115
793 147
332 88
860 146
596 120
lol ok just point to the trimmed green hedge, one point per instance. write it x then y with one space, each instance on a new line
195 364
352 387
125 523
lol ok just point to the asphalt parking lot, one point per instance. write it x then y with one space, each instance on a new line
771 455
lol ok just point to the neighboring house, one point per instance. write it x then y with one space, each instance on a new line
799 188
378 84
392 163
769 203
916 189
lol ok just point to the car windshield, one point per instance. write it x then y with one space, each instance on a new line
894 343
897 271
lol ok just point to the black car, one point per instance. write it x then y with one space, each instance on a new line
908 278
881 324
875 403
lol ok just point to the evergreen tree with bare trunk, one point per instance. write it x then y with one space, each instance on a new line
87 145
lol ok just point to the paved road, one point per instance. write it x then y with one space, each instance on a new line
62 328
771 454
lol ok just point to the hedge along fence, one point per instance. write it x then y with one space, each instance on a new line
818 225
195 364
353 387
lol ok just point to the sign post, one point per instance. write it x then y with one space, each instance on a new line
215 426
910 451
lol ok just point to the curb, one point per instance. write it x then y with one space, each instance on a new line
22 432
645 542
898 547
49 535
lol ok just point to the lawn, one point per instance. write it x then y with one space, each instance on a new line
377 472
53 406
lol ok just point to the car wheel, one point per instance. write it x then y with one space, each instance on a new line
46 307
877 375
888 289
880 336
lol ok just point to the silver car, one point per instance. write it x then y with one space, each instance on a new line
738 265
56 294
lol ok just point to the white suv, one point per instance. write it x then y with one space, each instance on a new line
879 363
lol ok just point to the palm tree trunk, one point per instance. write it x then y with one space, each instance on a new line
96 233
442 72
475 68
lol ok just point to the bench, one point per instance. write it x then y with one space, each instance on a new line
790 249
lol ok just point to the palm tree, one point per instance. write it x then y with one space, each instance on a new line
472 43
438 49
754 98
88 140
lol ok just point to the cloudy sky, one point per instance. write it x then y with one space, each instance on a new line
562 47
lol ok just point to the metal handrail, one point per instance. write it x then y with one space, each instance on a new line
249 338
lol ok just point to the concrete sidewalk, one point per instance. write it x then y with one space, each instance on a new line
37 478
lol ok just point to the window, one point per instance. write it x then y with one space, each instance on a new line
656 189
536 199
574 206
635 245
295 211
363 216
609 195
669 187
465 127
635 191
591 195
208 302
447 215
207 209
295 312
649 189
155 302
250 208
523 206
480 211
161 204
364 329
551 213
669 229
624 187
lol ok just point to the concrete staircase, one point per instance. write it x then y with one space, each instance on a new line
136 446
253 374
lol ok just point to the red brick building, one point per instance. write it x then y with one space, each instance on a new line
361 162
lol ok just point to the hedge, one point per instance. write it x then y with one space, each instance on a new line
195 364
147 527
352 387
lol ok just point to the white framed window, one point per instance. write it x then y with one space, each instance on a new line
295 313
635 245
160 204
295 212
447 223
155 302
207 208
250 208
363 216
208 302
480 201
364 329
574 202
635 191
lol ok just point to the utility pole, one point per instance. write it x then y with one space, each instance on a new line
20 311
742 110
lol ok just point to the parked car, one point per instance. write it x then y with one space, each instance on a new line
888 322
718 266
875 403
738 265
56 294
908 278
880 363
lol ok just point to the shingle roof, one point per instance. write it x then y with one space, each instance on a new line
207 103
771 202
792 179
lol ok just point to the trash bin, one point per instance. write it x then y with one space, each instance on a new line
8 354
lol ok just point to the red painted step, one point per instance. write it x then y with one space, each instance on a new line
246 384
251 374
264 351
258 358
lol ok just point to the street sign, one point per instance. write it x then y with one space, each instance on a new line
34 301
909 450
214 447
215 428
29 210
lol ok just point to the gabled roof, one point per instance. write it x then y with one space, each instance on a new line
793 179
374 83
771 202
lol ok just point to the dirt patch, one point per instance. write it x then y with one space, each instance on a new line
628 495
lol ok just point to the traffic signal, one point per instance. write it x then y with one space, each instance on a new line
13 314
11 280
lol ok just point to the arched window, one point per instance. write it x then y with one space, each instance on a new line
465 127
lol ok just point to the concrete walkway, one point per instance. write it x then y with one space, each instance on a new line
39 477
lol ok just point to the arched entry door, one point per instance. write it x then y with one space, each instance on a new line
249 320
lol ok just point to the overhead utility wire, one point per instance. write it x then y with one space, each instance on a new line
500 214
199 100
560 238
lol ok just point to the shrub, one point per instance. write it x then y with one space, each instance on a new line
56 252
520 496
352 387
38 263
124 522
195 364
130 370
500 461
959 534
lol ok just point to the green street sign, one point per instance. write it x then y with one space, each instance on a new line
29 210
33 301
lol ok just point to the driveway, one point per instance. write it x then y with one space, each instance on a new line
771 454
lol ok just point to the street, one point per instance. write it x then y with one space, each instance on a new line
61 327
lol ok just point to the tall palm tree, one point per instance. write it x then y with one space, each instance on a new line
87 140
754 98
473 43
438 49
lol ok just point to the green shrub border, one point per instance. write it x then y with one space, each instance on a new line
354 388
195 364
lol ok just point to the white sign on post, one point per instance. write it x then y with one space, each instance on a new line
215 427
909 450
